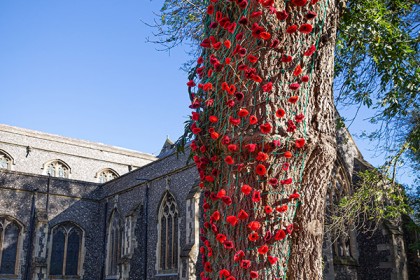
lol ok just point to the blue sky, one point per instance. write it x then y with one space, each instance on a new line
83 69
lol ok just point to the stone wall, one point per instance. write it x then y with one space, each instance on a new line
31 150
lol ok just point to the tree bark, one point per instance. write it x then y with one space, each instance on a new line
224 170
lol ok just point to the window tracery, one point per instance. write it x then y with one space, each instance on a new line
168 235
114 245
106 175
57 168
65 257
5 160
10 235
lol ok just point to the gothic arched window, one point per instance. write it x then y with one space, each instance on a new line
114 245
5 160
168 235
106 175
65 257
9 243
57 168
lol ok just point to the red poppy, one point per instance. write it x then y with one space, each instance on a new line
310 51
228 244
196 130
313 2
242 215
232 147
299 118
260 170
306 28
246 189
224 273
256 14
272 260
238 255
254 225
243 113
256 78
265 128
195 116
280 235
207 267
243 20
294 86
294 195
209 178
262 156
253 119
265 36
227 44
282 15
267 87
263 249
225 140
274 43
268 210
227 200
253 274
239 96
299 2
257 30
200 60
228 60
230 103
287 181
234 121
292 29
191 83
291 127
310 15
282 208
285 166
299 143
217 45
232 220
215 216
288 154
205 43
229 160
245 264
273 181
289 229
239 36
252 58
256 196
297 71
276 143
213 24
293 99
280 113
286 58
253 236
221 237
214 135
213 119
305 79
251 147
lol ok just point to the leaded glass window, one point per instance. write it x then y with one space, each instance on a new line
66 250
106 175
114 245
58 168
168 235
5 161
9 241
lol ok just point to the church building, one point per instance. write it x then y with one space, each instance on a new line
73 209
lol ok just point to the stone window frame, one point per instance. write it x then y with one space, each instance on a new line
107 172
68 226
118 242
343 246
19 247
57 163
9 159
174 271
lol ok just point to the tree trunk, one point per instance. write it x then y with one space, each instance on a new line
265 137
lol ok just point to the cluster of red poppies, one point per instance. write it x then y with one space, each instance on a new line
244 228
